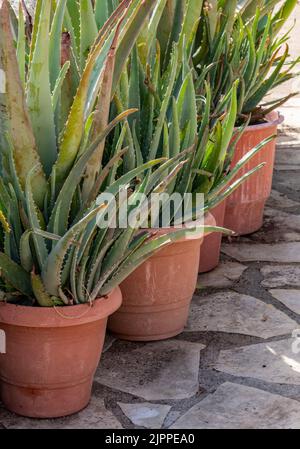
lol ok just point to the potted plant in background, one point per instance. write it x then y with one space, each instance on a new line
238 40
157 296
60 271
127 135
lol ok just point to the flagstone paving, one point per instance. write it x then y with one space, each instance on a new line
237 364
272 362
147 415
231 312
280 276
225 275
281 201
153 371
273 252
290 298
288 157
236 406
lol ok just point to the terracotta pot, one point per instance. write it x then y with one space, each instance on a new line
157 296
52 355
245 207
211 246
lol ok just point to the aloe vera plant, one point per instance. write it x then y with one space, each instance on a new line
242 40
171 118
52 251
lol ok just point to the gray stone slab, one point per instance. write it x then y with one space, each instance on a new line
153 371
236 313
284 221
288 138
224 276
287 181
235 406
147 415
278 199
287 167
280 276
290 298
94 416
288 157
257 252
278 226
274 362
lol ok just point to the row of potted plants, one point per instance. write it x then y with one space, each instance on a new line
124 98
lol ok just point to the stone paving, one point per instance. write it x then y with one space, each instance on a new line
236 365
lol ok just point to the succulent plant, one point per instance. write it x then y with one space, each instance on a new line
241 40
171 119
52 252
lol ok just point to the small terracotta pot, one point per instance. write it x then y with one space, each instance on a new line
157 296
245 207
211 246
52 355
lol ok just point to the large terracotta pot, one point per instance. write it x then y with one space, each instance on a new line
245 207
52 355
211 246
157 296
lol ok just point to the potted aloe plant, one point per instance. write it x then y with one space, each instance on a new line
157 295
242 40
60 270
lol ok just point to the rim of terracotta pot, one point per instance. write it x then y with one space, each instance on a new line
209 220
49 317
275 118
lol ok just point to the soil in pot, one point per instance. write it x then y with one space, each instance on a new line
211 246
52 355
157 296
245 207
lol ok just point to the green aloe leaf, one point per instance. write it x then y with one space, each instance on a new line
164 107
187 109
35 217
25 251
61 210
283 14
55 42
37 14
101 116
86 96
59 83
21 45
266 86
238 167
42 297
21 134
38 93
129 36
15 275
88 29
52 269
230 189
151 31
192 15
101 12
